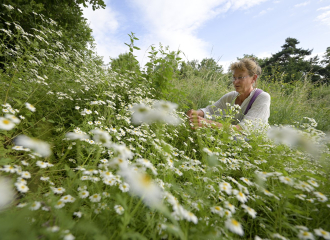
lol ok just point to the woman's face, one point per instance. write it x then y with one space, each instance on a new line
242 81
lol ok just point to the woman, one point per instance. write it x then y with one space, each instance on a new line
245 75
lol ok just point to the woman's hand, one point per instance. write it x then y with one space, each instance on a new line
195 112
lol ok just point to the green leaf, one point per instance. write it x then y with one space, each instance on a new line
4 161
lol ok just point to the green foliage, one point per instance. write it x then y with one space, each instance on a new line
161 69
291 61
124 62
66 13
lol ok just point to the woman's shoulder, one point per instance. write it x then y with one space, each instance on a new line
264 96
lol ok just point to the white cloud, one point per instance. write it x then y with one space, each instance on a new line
105 25
276 2
324 18
263 12
226 64
323 8
302 4
174 23
263 55
319 54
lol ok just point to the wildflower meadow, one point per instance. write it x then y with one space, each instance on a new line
90 153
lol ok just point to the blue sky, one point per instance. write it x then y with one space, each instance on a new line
221 29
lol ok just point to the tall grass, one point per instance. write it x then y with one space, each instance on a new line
289 101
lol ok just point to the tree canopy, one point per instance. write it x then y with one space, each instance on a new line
67 13
293 61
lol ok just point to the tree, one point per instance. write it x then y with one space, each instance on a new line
291 60
67 13
209 64
325 71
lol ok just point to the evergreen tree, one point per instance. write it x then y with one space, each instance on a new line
291 60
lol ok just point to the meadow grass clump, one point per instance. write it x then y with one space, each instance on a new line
90 154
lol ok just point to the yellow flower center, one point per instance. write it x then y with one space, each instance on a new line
234 222
6 121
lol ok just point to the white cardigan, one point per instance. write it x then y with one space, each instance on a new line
260 109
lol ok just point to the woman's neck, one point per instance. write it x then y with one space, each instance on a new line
242 96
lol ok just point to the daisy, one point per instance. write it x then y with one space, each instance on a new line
321 233
95 197
38 146
234 226
77 214
312 182
21 187
105 194
216 209
286 180
268 193
25 163
67 198
226 213
9 168
54 229
13 118
230 206
44 178
142 185
59 204
124 187
140 113
304 186
25 174
305 235
68 236
225 187
250 211
35 206
189 216
119 209
247 181
75 136
102 137
321 197
21 205
30 107
58 190
6 124
21 180
240 196
83 194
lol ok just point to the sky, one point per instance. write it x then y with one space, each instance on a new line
219 29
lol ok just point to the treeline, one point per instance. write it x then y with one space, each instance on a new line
288 65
